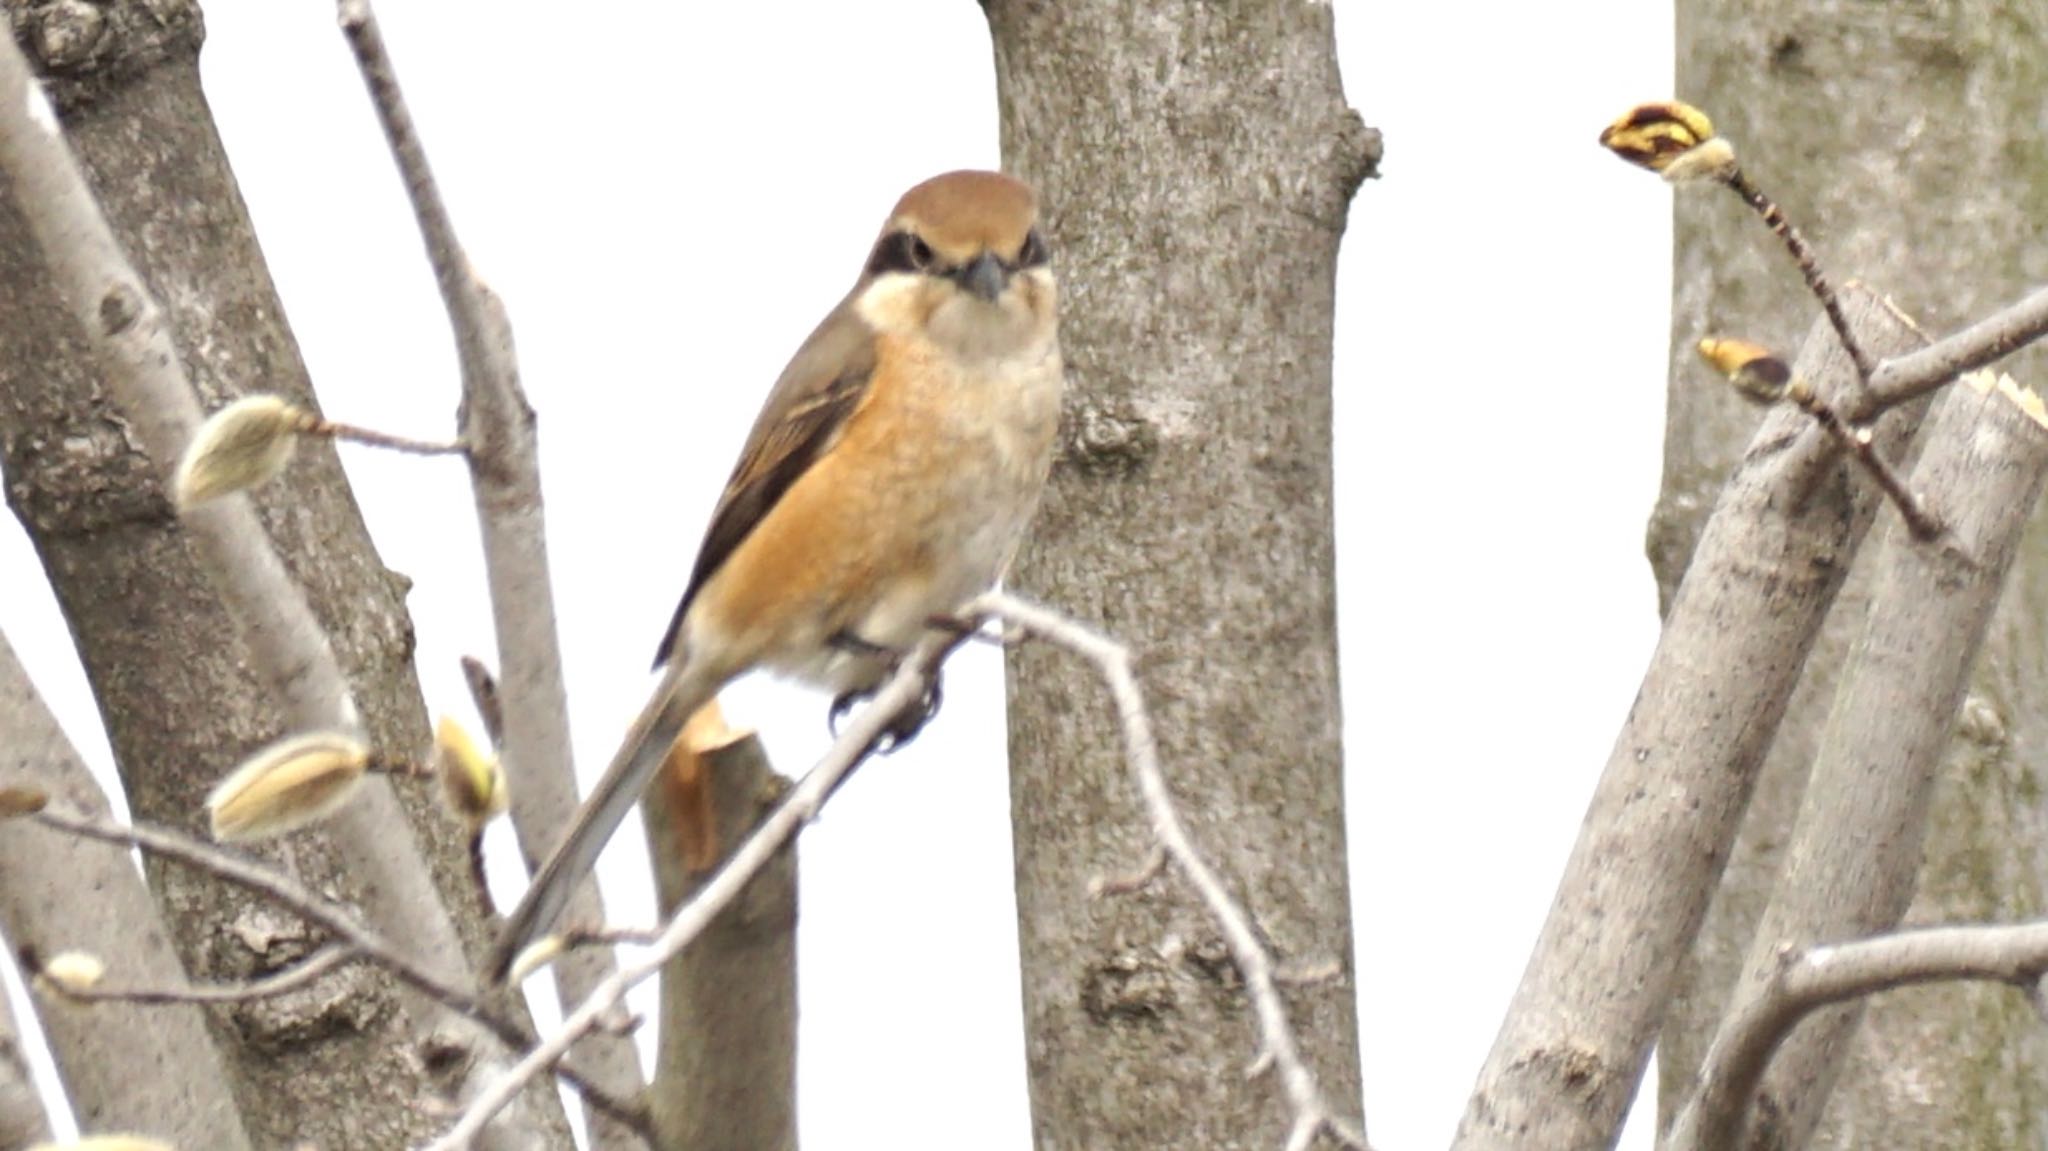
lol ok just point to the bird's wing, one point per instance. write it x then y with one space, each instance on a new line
823 385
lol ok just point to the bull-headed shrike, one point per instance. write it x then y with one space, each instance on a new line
886 483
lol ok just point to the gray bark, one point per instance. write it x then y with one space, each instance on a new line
1196 163
1900 139
124 1067
337 1065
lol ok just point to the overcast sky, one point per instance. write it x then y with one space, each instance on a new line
669 196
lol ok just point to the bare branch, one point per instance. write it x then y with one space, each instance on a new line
333 957
337 919
903 689
1855 853
498 427
1313 1114
726 1058
1805 982
1862 448
1670 799
1901 378
144 373
163 1071
1808 263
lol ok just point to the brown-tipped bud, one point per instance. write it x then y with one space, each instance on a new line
472 779
19 799
1658 135
71 972
287 785
1755 372
107 1143
537 955
242 446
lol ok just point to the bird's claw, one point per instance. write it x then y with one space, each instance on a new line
906 724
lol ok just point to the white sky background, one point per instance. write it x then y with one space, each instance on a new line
669 197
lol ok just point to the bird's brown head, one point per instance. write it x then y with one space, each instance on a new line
961 259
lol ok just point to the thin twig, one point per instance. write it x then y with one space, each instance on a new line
1861 448
1822 976
1809 268
1313 1114
338 919
308 970
371 437
904 688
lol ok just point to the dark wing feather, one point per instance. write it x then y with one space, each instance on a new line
809 404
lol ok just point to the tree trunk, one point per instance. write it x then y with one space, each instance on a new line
1196 163
338 1064
1895 137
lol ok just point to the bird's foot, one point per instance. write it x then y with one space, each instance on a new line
903 727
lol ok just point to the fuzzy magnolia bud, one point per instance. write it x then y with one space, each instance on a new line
71 972
287 785
472 779
244 445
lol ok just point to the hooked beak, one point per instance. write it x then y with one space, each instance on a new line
985 276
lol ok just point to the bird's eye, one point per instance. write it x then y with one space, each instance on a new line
900 252
1033 253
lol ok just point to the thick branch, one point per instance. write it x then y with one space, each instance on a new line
1804 982
1855 852
285 642
1901 378
725 1070
1577 1036
157 1071
504 468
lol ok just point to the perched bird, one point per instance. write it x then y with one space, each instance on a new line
887 481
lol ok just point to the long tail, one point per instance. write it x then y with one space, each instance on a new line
681 693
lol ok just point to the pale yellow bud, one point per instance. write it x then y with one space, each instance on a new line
72 972
242 446
472 779
287 785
